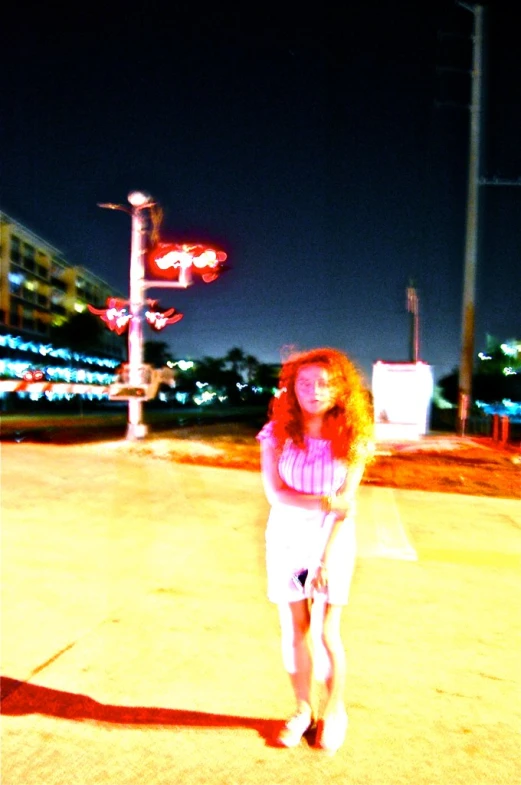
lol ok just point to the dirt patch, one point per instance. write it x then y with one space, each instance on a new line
462 471
440 463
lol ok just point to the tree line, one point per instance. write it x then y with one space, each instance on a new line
238 376
496 377
497 374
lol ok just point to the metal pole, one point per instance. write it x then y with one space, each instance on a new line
471 244
415 337
136 429
414 329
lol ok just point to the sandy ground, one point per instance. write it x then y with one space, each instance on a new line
138 646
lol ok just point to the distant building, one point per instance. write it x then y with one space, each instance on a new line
40 289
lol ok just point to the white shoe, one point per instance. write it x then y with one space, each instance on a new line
334 729
295 728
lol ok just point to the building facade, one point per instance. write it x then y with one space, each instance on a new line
39 289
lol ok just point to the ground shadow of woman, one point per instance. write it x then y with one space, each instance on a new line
19 697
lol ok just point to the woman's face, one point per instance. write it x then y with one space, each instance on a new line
314 390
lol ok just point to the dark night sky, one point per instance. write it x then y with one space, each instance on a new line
321 150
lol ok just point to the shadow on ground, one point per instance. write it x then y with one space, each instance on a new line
20 698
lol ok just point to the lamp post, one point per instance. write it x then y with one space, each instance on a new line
136 428
173 260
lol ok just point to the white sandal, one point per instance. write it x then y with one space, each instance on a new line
333 732
295 728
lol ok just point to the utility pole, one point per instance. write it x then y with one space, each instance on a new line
471 242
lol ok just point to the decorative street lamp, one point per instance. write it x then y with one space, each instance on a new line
174 263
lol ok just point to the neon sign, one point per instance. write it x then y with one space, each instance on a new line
117 317
158 319
168 260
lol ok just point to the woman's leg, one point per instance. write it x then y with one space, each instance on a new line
321 657
336 680
294 624
334 724
331 659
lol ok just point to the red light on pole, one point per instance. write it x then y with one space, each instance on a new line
175 260
159 319
115 315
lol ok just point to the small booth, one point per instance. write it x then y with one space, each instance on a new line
402 395
149 380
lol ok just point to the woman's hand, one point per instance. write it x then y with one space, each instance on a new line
343 506
319 579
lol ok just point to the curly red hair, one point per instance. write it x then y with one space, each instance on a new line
348 424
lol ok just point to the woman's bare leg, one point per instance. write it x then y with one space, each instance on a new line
336 679
294 623
327 642
325 625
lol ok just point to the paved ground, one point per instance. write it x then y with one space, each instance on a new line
138 646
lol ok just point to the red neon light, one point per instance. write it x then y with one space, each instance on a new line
168 259
115 315
117 318
160 319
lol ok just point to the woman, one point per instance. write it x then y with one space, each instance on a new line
313 454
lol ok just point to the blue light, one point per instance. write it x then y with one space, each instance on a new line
16 342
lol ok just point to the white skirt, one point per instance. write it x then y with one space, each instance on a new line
295 541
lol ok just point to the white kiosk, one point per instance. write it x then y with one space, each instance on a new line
149 380
402 394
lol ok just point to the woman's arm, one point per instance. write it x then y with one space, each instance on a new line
341 505
343 501
276 490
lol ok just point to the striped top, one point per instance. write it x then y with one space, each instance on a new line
309 470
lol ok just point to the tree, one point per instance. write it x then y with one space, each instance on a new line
449 386
267 376
156 353
251 365
211 371
499 356
214 372
487 387
492 388
237 360
185 380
